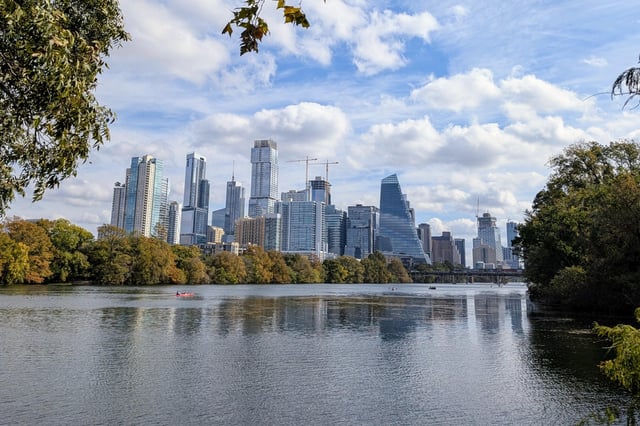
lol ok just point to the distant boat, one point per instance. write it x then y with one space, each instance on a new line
184 294
432 287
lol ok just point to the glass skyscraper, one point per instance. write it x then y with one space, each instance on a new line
195 209
146 208
264 178
363 223
398 235
234 206
489 234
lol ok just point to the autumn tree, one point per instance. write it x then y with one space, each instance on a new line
110 256
69 261
51 53
14 260
39 247
188 260
375 269
258 265
398 272
226 268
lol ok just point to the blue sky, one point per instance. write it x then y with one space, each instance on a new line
466 101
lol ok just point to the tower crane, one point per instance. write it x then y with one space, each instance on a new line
306 175
326 164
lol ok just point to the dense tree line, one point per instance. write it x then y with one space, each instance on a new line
581 239
57 251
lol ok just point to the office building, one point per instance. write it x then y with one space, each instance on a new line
336 221
424 234
488 239
264 178
461 246
320 190
218 217
303 227
146 207
363 223
444 249
234 206
118 205
195 208
398 236
175 218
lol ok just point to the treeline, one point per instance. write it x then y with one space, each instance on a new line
58 251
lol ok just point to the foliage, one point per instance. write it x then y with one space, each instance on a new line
51 53
624 369
154 263
110 256
69 262
14 260
258 265
254 28
281 273
627 84
39 248
398 272
188 260
304 270
375 269
226 268
581 239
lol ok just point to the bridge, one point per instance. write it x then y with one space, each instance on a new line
468 276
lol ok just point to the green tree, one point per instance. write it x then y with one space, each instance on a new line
581 239
258 265
154 263
69 262
51 53
188 260
304 270
375 269
398 272
355 270
226 268
40 249
110 256
281 273
624 368
335 271
14 260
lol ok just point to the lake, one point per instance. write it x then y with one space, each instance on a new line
365 354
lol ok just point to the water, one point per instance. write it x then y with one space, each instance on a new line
294 354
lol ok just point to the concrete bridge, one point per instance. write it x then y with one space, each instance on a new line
468 276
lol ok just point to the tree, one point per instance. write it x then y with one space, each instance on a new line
110 257
69 262
258 265
581 239
398 272
334 271
226 268
189 262
51 53
14 260
281 273
355 270
154 263
248 19
40 249
375 269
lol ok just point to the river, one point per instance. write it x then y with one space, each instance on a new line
365 354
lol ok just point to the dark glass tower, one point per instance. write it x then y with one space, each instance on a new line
398 236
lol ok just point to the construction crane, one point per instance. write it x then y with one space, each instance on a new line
306 175
326 164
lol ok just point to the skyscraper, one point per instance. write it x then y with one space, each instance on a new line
195 209
320 190
146 209
264 177
398 236
336 221
175 219
303 227
118 205
234 206
424 234
444 249
363 223
489 235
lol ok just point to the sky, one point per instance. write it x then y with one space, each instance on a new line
466 101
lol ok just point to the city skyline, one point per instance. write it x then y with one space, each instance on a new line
464 102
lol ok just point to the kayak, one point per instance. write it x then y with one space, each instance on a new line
184 294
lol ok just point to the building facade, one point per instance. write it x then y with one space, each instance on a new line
363 223
398 236
444 249
489 239
264 178
118 205
195 208
234 206
146 206
175 219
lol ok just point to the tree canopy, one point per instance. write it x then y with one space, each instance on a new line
581 239
51 53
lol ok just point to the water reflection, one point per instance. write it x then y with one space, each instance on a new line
293 355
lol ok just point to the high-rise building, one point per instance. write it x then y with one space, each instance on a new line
398 236
489 235
320 190
336 221
363 223
303 227
175 218
264 177
460 244
444 249
424 234
195 209
512 260
118 205
234 206
218 217
146 207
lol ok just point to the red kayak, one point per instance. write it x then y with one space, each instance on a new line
178 294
